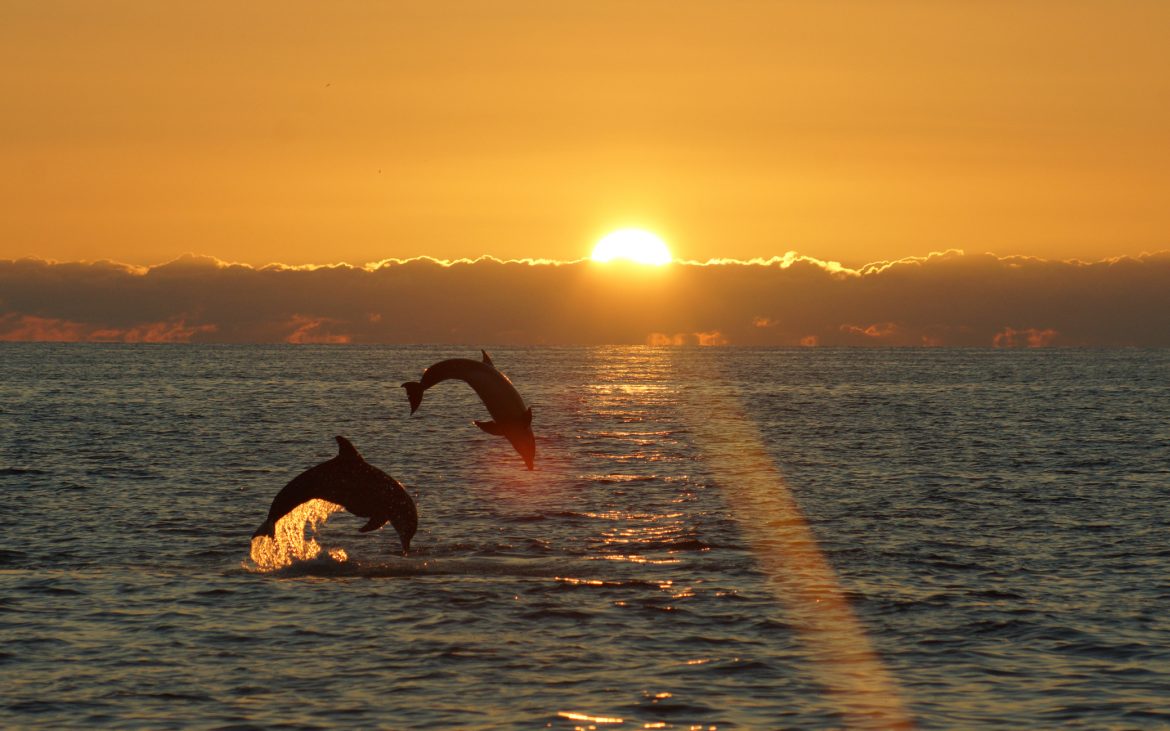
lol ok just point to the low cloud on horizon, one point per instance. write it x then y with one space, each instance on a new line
944 299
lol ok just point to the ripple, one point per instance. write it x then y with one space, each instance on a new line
10 557
17 471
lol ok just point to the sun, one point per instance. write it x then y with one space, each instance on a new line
632 244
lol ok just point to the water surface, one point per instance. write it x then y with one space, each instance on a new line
735 538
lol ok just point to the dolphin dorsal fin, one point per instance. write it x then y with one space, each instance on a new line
487 359
345 449
528 416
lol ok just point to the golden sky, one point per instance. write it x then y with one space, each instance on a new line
317 132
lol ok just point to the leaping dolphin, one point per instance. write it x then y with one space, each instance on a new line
512 419
355 485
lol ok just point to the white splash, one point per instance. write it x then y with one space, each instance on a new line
295 540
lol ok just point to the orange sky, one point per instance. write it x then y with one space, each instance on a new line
310 132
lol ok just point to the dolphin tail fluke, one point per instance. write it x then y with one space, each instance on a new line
490 427
267 528
414 392
375 523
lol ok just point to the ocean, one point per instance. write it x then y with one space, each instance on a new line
714 538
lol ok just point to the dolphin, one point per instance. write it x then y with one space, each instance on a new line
512 419
355 485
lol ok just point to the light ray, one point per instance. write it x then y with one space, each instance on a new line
787 552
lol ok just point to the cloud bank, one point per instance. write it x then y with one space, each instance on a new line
944 299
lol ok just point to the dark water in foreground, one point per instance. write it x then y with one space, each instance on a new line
718 537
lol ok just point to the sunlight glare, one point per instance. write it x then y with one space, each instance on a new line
632 244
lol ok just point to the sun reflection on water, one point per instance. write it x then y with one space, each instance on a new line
585 582
633 558
574 716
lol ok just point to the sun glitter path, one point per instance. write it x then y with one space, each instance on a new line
772 523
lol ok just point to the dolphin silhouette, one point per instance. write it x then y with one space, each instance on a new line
512 419
355 485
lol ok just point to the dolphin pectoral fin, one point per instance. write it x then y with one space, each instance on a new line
375 523
487 359
490 427
528 416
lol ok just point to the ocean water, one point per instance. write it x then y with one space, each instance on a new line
713 538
